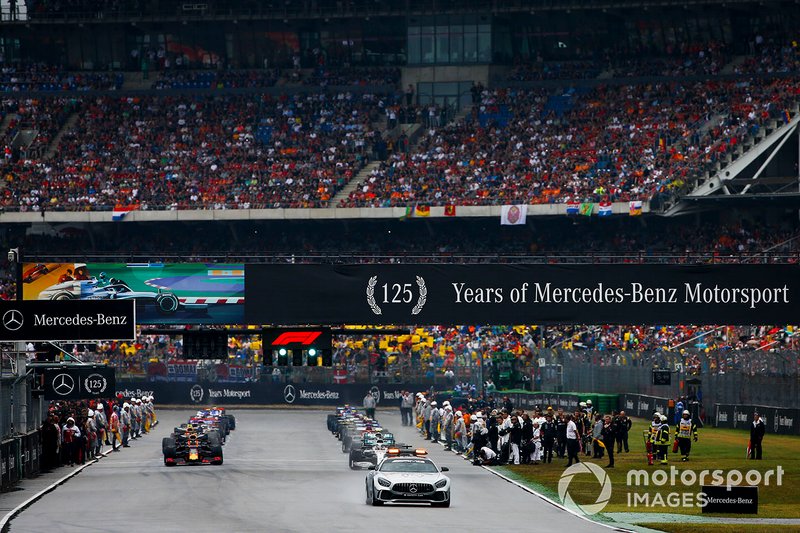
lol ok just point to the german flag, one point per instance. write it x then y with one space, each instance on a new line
449 210
423 211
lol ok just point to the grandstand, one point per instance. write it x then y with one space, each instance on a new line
536 136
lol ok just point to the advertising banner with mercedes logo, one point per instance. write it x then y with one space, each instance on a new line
79 382
286 294
69 320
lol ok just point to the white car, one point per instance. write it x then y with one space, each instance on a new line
407 476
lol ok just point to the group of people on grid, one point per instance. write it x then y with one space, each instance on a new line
498 433
75 431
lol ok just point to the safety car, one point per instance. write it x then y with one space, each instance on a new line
407 476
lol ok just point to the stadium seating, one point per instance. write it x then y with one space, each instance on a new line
221 152
614 142
45 78
217 79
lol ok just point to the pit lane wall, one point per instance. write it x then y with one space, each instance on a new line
19 458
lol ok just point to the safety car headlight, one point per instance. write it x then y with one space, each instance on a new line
441 483
384 482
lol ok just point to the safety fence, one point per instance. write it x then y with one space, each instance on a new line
733 377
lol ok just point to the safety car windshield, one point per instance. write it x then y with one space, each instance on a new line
408 465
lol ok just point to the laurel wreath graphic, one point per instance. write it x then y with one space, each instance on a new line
423 296
371 295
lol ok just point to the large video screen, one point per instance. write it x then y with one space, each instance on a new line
165 293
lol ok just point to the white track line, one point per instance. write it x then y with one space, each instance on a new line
553 502
19 508
543 497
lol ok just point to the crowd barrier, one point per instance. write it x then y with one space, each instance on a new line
19 458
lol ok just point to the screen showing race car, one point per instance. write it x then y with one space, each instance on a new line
165 293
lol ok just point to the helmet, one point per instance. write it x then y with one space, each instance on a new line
582 404
588 402
90 414
126 404
686 412
99 406
657 415
663 418
434 402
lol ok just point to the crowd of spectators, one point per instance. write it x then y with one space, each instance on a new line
27 77
605 143
608 143
211 152
772 56
324 77
217 79
688 60
448 355
541 70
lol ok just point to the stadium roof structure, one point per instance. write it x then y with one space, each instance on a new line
763 170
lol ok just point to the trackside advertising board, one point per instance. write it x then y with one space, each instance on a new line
67 321
521 294
165 293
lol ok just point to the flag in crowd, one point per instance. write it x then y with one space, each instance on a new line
787 117
586 209
422 211
573 208
513 215
120 211
635 208
604 209
449 210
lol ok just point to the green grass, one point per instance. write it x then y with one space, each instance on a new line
717 449
721 528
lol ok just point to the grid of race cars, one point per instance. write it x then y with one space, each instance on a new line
397 473
200 440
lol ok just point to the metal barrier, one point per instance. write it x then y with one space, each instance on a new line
734 377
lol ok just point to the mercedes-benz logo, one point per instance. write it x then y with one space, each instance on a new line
289 394
12 320
412 488
63 384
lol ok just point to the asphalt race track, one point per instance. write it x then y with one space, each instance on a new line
283 471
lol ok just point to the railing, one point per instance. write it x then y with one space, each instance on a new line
207 9
689 258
